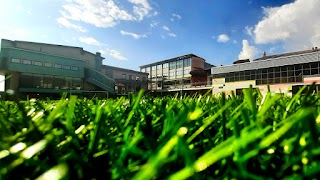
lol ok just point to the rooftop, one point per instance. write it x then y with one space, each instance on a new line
123 69
171 59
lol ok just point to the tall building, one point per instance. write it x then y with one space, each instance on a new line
283 72
179 73
126 81
38 69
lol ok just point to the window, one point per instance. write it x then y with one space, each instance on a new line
13 60
74 68
24 61
137 78
130 77
165 65
159 66
59 66
165 74
179 64
66 67
172 65
143 69
37 63
148 69
171 74
124 76
187 62
179 73
47 64
153 68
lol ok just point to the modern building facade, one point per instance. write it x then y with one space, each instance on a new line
45 69
126 81
176 74
285 73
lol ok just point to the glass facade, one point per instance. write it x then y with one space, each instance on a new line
187 62
274 75
28 80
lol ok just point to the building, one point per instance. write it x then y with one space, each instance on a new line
126 81
176 74
283 72
38 69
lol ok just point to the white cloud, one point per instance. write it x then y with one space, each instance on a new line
171 19
114 53
153 24
172 34
67 24
100 13
223 38
134 35
165 28
89 40
156 13
249 30
141 8
235 42
177 16
295 24
248 52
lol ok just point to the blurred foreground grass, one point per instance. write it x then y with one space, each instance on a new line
256 136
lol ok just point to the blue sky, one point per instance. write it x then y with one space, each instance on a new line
131 33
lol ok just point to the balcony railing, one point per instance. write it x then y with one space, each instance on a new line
97 78
188 85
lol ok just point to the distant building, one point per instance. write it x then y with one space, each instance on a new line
176 74
38 69
286 72
126 81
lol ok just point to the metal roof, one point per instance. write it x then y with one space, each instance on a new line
273 61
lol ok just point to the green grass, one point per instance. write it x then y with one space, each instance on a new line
256 136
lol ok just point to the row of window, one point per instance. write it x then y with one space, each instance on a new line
28 80
130 77
172 74
274 75
172 65
45 64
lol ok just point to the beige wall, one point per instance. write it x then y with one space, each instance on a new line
232 86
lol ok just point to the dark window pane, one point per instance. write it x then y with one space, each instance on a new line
284 80
270 75
299 79
314 71
298 73
291 79
284 74
264 81
306 72
258 82
26 80
264 76
290 67
297 66
290 73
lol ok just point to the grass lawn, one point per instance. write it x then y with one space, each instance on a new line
255 136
